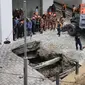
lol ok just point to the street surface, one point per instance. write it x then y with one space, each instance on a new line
11 64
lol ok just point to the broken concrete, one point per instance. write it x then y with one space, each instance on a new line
32 46
11 71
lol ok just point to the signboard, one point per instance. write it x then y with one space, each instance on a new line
82 16
82 9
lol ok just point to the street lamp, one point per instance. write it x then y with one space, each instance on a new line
25 45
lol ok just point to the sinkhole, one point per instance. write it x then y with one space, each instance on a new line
46 64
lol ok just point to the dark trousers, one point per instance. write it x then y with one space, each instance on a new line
37 28
64 14
29 32
15 33
59 31
20 33
33 29
73 14
78 43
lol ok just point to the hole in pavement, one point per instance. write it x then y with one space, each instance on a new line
47 65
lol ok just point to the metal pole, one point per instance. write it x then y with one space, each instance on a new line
77 68
62 63
25 46
57 78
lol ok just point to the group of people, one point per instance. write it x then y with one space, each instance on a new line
74 10
18 23
39 23
34 24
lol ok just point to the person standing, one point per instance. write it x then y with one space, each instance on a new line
37 10
21 28
42 24
15 28
78 41
37 25
73 11
58 29
33 25
54 21
29 27
64 10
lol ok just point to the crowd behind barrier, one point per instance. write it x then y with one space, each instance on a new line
38 23
34 24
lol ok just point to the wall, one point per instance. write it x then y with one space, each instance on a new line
31 5
5 20
0 25
83 1
46 4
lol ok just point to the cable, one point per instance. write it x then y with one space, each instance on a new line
6 38
9 34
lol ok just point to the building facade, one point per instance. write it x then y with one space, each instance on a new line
6 7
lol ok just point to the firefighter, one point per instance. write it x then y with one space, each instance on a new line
50 21
45 24
42 24
47 21
54 21
61 20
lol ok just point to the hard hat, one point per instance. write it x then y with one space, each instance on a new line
58 20
33 17
54 15
38 16
50 13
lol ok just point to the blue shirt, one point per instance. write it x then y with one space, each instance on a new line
29 25
16 21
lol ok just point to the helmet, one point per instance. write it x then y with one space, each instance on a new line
50 13
58 20
33 17
38 16
54 15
